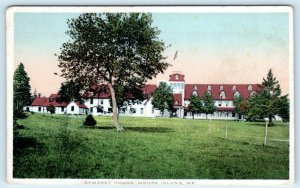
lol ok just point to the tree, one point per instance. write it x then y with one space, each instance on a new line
240 105
51 109
89 121
195 105
268 102
208 104
70 91
162 98
117 49
22 95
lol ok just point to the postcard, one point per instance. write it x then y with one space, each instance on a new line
150 95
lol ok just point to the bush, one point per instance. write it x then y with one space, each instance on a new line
89 121
19 114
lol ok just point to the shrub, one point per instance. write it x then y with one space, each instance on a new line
19 114
89 121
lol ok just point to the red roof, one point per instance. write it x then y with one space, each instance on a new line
45 101
216 91
81 105
149 89
54 102
176 77
177 99
225 108
39 101
102 92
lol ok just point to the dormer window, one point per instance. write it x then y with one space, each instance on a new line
195 87
222 95
176 103
51 99
236 94
233 88
252 93
209 88
195 93
176 76
250 88
221 88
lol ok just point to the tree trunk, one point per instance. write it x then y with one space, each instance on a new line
270 120
162 113
206 116
193 116
115 109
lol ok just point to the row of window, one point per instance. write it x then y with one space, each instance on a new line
62 109
222 88
222 94
92 101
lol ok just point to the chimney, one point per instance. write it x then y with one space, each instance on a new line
39 94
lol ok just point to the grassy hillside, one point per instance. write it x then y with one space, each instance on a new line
155 148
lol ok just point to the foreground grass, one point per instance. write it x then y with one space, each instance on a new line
60 147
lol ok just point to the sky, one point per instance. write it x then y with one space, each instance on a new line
213 48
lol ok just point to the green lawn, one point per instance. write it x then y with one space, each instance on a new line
155 148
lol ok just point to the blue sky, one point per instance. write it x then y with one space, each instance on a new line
235 44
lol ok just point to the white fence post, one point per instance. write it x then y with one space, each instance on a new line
266 133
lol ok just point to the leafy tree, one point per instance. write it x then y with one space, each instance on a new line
240 105
70 91
51 109
208 104
162 98
117 49
89 121
195 105
268 102
22 95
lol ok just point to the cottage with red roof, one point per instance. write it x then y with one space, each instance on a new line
40 105
97 101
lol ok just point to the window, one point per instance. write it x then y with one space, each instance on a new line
132 110
221 88
220 104
234 88
195 93
176 103
92 101
109 110
99 110
236 94
91 109
101 101
27 109
40 109
142 110
72 108
250 88
209 88
176 76
195 87
222 95
252 93
62 109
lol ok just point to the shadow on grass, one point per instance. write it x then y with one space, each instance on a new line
136 129
26 144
